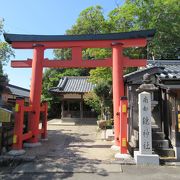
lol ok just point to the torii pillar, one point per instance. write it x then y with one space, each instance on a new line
118 86
35 91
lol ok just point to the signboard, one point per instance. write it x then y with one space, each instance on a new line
145 134
5 115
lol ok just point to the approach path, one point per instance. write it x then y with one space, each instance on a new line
80 142
71 149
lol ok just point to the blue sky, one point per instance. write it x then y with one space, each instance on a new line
41 17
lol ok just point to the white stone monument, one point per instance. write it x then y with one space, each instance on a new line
144 155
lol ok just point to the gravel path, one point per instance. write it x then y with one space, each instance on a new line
69 149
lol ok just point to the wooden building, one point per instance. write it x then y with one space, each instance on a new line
165 75
9 95
7 100
71 91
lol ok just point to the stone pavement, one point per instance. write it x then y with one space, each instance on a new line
70 149
80 142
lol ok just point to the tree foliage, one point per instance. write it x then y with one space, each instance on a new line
93 101
162 15
90 21
101 98
102 90
5 50
100 75
5 54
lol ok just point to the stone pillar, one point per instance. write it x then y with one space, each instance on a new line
144 155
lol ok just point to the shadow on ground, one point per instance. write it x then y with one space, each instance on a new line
63 153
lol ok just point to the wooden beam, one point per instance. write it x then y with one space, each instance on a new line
134 62
21 64
27 135
140 42
79 63
77 54
64 63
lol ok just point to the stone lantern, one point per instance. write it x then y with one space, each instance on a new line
148 86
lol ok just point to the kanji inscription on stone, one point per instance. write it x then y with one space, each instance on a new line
145 134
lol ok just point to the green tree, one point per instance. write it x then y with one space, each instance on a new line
90 21
162 15
102 90
93 101
100 99
101 75
5 54
5 50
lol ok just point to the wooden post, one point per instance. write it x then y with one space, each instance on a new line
35 92
44 123
18 126
118 87
123 124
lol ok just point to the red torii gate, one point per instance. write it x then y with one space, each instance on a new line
39 43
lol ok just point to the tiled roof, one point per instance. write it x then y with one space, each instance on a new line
18 91
111 36
164 69
73 84
171 68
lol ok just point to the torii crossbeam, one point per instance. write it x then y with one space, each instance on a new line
116 41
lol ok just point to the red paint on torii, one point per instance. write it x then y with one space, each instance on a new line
117 42
78 64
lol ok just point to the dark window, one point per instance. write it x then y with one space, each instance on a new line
65 106
156 95
86 107
74 106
